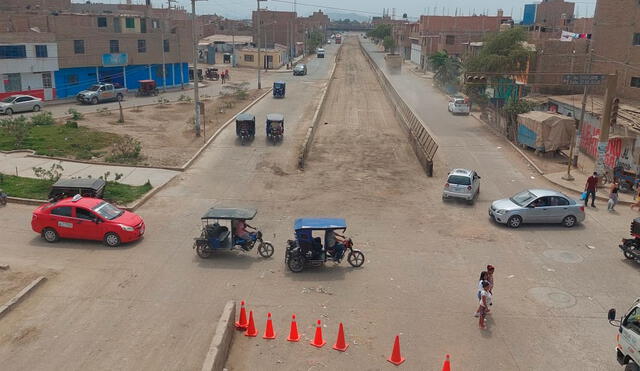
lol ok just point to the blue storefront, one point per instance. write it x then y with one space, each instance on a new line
70 81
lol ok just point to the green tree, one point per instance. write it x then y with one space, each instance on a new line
447 68
516 106
389 44
380 32
502 52
314 40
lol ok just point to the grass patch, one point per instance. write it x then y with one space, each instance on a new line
61 141
38 189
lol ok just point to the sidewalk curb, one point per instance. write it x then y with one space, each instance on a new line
524 155
8 306
311 131
600 198
221 343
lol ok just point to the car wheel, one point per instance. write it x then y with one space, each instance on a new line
201 249
94 100
631 367
111 239
514 221
569 221
50 235
8 111
36 108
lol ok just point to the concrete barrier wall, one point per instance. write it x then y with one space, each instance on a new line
311 132
422 142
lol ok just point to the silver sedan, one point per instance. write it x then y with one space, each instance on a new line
537 206
20 103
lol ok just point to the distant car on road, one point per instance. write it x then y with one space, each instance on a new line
87 219
99 93
462 183
537 206
320 53
20 103
459 105
300 70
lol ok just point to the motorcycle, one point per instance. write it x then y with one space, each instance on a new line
631 246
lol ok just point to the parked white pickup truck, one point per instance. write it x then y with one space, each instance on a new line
628 339
101 93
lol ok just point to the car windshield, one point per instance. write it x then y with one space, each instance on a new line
94 88
459 179
523 198
107 211
8 99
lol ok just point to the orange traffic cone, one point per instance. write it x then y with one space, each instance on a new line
293 333
251 328
396 358
242 321
317 340
341 344
447 364
268 332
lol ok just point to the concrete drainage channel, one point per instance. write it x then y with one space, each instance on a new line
8 306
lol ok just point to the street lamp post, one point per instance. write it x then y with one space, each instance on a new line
259 41
196 96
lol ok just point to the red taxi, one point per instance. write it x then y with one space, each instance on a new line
88 219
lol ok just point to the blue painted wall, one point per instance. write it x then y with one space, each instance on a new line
70 81
529 16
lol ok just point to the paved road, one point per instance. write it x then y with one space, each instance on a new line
552 312
153 305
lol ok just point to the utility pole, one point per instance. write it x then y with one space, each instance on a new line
233 44
259 42
573 159
609 95
196 96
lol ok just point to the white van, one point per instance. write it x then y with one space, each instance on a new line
628 339
320 53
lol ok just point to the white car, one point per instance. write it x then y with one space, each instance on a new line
462 183
459 105
20 103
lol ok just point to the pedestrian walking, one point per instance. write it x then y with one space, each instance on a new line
485 302
481 281
613 197
590 188
222 77
490 270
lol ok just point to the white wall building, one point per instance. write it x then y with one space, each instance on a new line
28 68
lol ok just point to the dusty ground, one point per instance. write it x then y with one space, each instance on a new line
12 281
166 131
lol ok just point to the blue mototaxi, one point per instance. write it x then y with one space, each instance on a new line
308 246
217 237
279 89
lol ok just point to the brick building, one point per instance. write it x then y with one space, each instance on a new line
276 28
453 33
616 43
99 42
317 21
554 13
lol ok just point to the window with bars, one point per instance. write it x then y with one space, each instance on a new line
13 82
142 46
46 80
78 46
41 51
114 46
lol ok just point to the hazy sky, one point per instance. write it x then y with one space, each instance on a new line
243 8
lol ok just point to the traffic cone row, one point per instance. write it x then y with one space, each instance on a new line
318 341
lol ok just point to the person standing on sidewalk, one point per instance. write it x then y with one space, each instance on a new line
481 281
590 188
613 197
